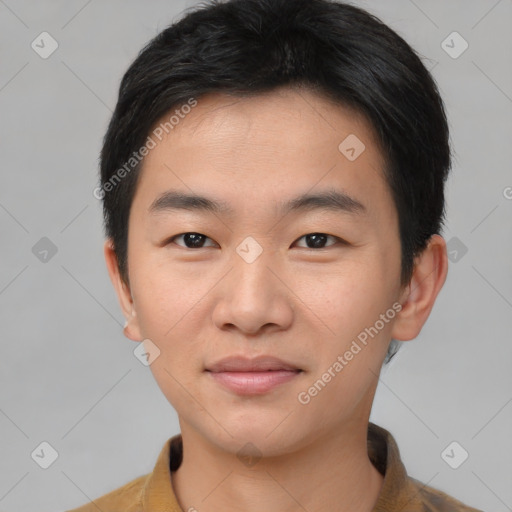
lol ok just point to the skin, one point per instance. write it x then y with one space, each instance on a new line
300 303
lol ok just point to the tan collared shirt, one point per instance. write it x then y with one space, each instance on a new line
154 492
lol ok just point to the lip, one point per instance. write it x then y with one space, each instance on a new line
255 364
254 376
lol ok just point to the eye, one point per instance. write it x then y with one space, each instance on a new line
317 240
191 240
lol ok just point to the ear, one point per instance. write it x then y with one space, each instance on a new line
430 270
131 329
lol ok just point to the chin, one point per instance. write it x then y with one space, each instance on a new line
258 438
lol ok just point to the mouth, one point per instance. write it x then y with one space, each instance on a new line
252 376
257 364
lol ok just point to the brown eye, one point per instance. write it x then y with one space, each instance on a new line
190 240
318 240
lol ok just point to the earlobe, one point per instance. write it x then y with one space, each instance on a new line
430 270
131 328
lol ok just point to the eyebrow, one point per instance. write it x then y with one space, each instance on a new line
332 200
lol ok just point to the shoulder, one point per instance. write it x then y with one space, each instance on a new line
434 500
127 498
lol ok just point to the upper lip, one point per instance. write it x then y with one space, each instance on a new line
255 364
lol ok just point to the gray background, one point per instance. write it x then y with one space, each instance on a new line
69 376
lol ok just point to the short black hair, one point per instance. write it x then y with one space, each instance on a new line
247 47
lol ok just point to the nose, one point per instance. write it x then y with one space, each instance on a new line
253 298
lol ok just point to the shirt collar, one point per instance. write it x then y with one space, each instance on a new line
158 494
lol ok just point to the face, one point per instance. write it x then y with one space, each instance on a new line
303 284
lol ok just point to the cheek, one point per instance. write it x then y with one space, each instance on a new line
342 299
159 309
171 312
161 294
346 307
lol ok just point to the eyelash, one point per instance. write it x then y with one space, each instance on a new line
337 239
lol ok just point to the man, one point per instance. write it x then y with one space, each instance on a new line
273 189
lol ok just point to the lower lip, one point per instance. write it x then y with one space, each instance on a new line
253 383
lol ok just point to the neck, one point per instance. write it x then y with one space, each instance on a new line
331 473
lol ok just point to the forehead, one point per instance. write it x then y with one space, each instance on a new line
255 151
294 115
